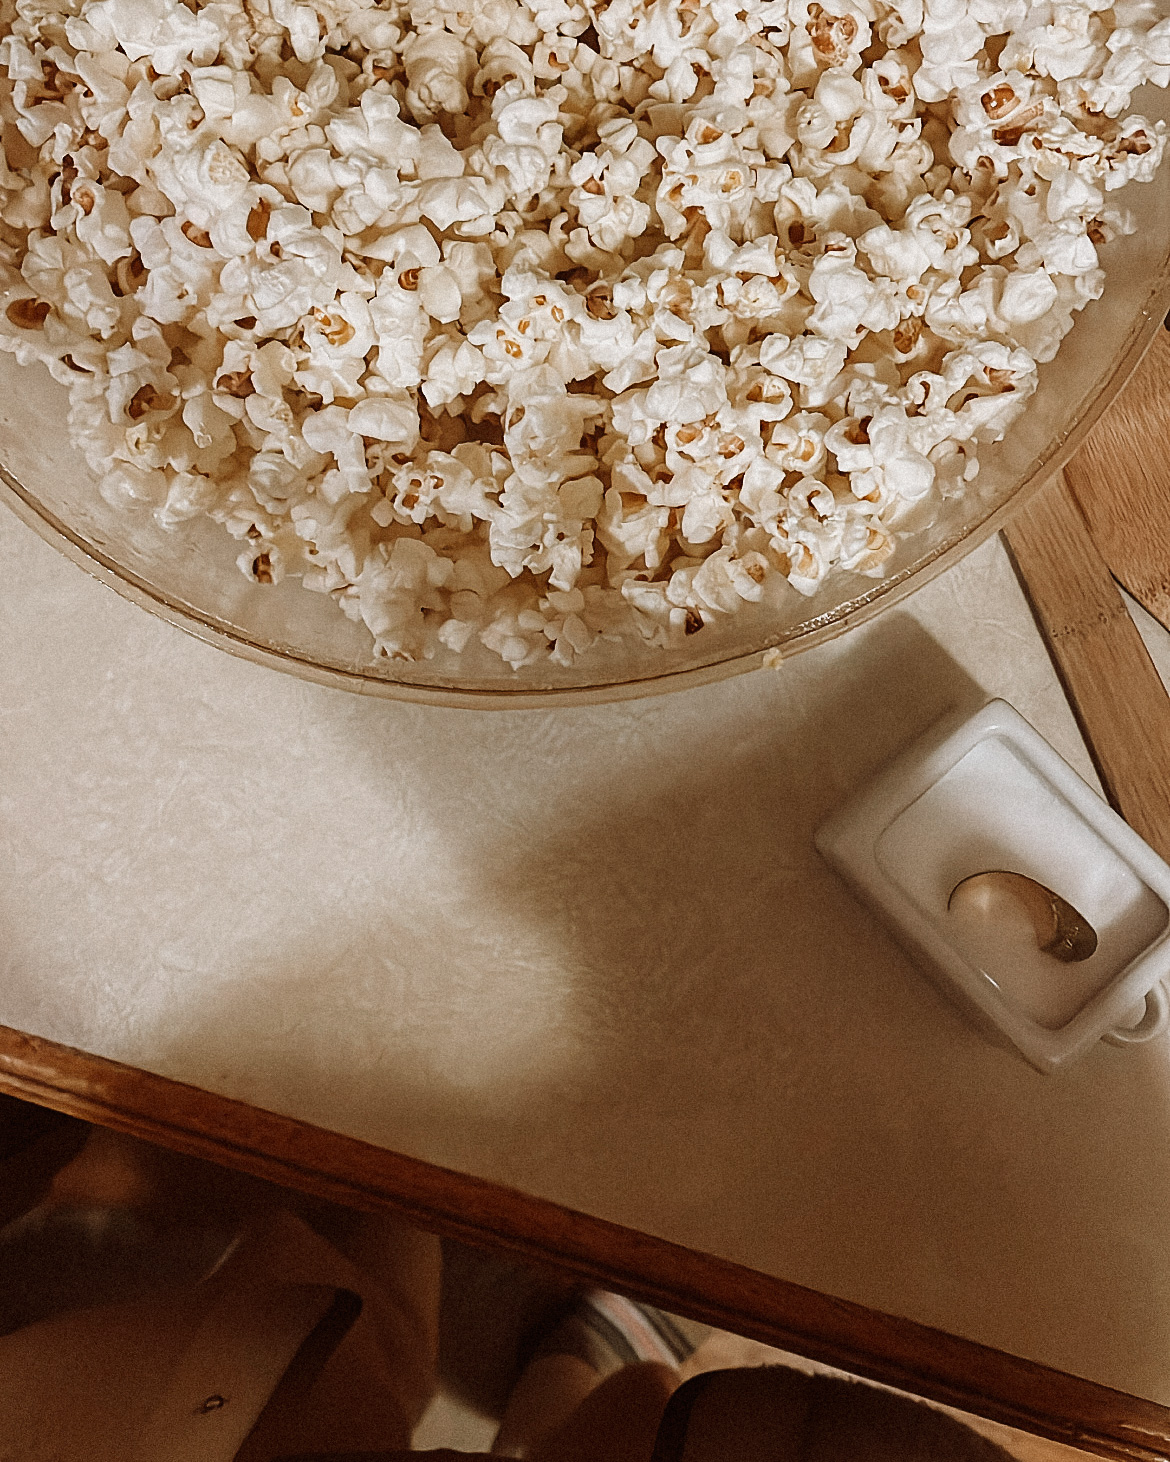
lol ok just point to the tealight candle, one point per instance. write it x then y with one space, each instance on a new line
987 795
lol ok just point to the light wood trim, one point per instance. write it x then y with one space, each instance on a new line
1120 479
898 1352
1115 692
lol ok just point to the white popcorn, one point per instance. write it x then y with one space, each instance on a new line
440 295
387 419
468 204
811 361
453 369
438 67
524 326
724 580
165 32
396 585
102 222
1026 296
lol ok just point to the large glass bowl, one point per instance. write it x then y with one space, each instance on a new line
189 576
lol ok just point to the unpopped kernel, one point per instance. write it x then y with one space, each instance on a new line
539 322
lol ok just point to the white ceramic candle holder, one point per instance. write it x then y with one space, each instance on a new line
988 793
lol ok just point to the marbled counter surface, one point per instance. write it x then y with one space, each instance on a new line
588 953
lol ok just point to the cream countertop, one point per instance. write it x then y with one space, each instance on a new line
588 953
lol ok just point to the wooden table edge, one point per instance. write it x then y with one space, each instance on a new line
897 1352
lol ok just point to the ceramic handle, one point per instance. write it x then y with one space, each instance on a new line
1152 1023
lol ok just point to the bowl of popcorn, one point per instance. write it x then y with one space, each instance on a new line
499 350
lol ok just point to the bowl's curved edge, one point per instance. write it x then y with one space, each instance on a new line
807 635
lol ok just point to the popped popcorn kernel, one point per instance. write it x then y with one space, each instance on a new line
533 324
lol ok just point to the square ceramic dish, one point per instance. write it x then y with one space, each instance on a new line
987 792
